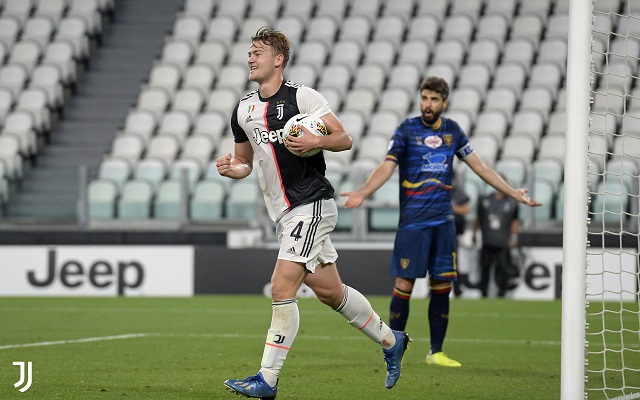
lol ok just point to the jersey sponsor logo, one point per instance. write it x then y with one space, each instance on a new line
264 137
435 163
433 141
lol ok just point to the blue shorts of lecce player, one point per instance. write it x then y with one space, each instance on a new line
431 249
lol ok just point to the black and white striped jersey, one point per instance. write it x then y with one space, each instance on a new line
286 180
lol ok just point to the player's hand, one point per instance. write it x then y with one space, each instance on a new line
302 144
522 197
353 199
223 164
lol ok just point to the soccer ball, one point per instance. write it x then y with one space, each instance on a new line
309 121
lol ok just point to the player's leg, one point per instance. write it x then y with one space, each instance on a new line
486 260
443 270
408 262
287 277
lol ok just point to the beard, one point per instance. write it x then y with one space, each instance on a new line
432 119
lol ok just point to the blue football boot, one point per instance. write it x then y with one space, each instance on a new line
393 358
253 386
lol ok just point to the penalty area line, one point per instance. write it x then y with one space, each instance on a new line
73 341
627 397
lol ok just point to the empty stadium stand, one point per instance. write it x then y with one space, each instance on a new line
140 90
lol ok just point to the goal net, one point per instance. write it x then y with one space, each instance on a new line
612 335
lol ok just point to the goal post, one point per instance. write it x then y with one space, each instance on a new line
600 353
576 201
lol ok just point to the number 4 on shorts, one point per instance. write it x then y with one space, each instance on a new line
296 232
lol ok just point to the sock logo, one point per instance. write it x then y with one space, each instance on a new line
278 339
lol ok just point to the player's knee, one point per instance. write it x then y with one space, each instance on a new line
440 287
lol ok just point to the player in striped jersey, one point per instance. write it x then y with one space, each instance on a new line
423 148
301 202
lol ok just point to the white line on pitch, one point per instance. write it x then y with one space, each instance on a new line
72 341
628 397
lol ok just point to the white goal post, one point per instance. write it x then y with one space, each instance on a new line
600 283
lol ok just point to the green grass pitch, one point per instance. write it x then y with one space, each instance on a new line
168 348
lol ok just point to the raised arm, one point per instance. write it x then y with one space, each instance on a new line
239 165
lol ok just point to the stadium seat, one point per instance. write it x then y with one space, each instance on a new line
265 8
557 123
449 51
199 76
382 52
383 123
292 26
543 192
397 100
354 123
52 9
611 201
538 99
336 76
226 145
207 201
75 30
34 100
610 102
486 146
165 75
200 8
223 28
89 10
176 123
520 51
167 204
356 28
444 71
361 99
242 202
528 122
503 99
414 51
135 201
117 170
348 53
405 76
18 9
511 75
436 8
312 52
554 50
189 100
164 147
514 170
373 147
235 9
141 122
10 28
154 99
546 74
557 26
211 52
323 28
39 29
10 155
303 74
459 27
519 146
22 124
192 167
212 124
475 75
189 28
491 122
424 27
233 76
7 102
152 170
129 146
334 8
494 27
550 170
198 147
485 51
527 26
101 199
61 54
370 76
462 118
552 147
467 99
385 215
249 26
368 8
391 28
222 100
14 77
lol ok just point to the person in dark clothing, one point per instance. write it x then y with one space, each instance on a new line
497 219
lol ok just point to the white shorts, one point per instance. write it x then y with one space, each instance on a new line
303 234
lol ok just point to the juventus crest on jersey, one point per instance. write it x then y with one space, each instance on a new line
286 180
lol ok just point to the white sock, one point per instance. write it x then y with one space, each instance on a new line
358 311
284 327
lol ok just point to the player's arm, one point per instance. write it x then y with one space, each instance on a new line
337 139
494 179
378 177
239 165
